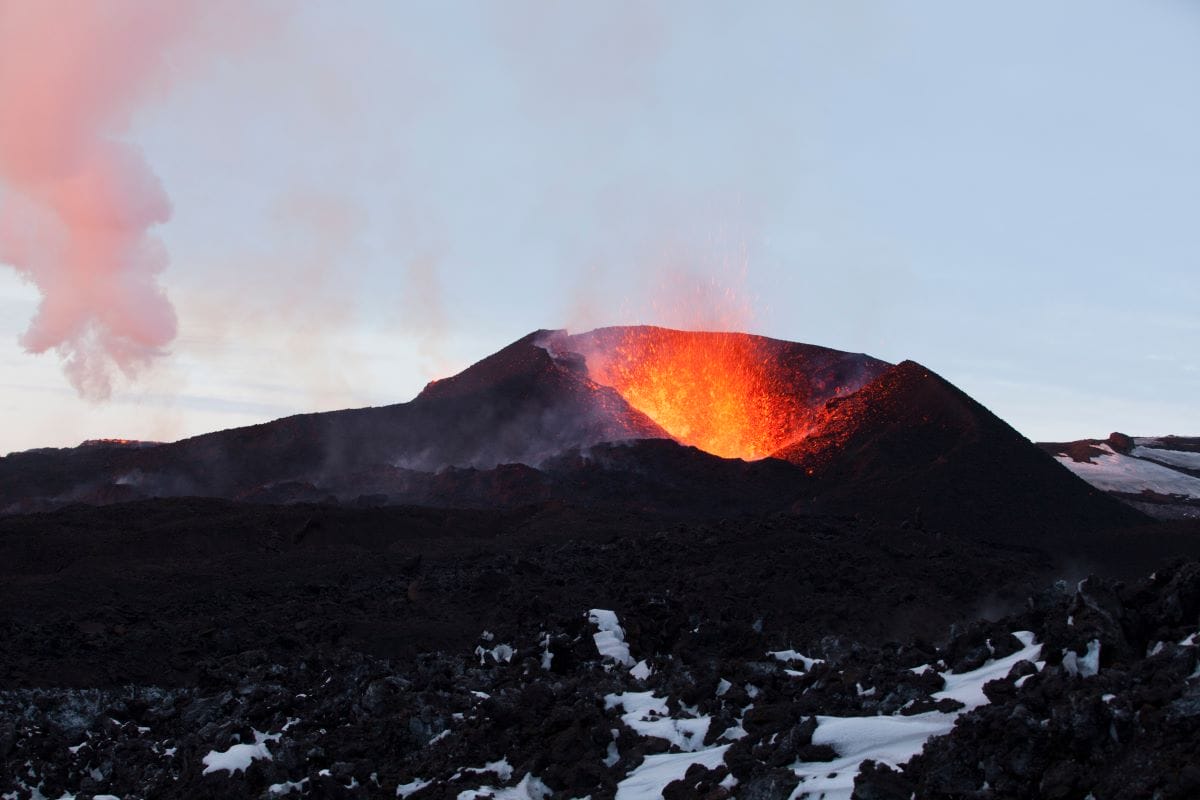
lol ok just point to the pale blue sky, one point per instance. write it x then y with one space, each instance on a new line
375 194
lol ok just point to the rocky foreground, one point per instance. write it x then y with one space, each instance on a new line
1090 690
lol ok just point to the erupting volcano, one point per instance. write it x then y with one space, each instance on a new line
640 417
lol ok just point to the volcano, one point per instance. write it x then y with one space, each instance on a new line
642 416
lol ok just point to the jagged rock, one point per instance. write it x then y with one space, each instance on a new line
877 781
776 784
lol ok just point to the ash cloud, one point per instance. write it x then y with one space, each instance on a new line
79 203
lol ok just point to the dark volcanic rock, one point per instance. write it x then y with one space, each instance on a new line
911 447
487 710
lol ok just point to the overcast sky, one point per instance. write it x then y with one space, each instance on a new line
368 195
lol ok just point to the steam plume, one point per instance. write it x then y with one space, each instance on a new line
78 203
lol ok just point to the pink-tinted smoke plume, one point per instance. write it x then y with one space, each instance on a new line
77 203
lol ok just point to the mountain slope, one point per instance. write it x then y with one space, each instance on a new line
519 405
912 445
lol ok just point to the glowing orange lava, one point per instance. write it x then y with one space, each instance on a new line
720 392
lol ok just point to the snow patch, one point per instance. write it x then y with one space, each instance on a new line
788 656
648 716
287 787
502 768
412 787
612 755
610 636
1086 665
894 740
239 756
1175 458
1119 473
499 653
656 771
530 788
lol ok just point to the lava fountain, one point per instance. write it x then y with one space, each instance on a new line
724 393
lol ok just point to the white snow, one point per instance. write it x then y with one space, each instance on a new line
1190 641
791 655
1176 458
502 768
610 636
239 756
894 740
647 715
1086 665
612 755
530 788
412 787
1120 473
501 652
733 733
656 771
968 687
287 787
641 670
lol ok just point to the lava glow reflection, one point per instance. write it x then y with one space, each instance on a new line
720 392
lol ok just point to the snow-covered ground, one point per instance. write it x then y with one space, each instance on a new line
1133 474
1164 455
892 740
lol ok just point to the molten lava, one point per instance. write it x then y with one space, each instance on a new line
721 392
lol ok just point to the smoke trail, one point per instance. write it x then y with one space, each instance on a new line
78 203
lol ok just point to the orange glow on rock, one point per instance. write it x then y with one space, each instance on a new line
721 392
